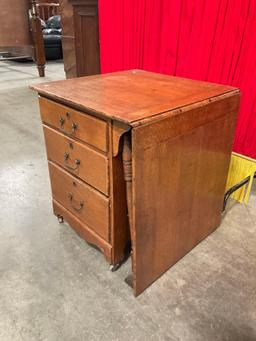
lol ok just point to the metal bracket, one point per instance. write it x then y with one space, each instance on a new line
233 189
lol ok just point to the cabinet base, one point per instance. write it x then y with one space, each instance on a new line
84 231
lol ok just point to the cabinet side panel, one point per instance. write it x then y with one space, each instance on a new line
178 188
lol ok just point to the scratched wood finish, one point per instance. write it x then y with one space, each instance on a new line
74 123
83 201
131 96
93 167
168 146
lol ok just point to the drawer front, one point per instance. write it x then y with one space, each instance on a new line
90 206
74 123
77 158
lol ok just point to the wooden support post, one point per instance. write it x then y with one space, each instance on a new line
127 166
38 42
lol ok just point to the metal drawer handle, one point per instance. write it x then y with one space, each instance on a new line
72 167
76 205
74 126
62 121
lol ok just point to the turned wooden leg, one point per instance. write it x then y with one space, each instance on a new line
41 70
127 166
38 41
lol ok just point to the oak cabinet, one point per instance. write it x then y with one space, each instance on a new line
139 156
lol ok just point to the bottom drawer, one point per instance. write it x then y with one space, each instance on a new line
83 201
83 230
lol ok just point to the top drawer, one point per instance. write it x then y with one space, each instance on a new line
74 123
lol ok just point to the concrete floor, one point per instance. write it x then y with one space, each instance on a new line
55 287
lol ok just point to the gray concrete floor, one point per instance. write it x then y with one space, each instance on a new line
53 286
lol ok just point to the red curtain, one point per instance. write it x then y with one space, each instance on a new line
213 40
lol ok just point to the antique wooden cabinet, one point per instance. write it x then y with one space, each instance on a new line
151 146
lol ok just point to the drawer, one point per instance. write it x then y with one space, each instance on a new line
82 161
74 123
90 206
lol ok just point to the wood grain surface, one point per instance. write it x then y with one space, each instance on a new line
93 167
83 230
120 233
68 38
130 96
86 29
178 189
165 145
83 201
87 128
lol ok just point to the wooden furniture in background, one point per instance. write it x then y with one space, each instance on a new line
14 28
68 38
38 41
48 9
168 139
80 40
20 32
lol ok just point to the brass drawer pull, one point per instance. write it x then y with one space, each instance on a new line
62 121
72 167
76 205
74 126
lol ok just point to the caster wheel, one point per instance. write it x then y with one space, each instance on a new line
129 280
113 268
60 219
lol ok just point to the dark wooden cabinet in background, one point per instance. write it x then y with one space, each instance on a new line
20 32
80 39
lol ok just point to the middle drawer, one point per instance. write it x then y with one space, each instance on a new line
82 161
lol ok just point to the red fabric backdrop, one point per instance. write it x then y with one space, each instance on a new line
212 40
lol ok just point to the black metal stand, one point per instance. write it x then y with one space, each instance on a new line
235 188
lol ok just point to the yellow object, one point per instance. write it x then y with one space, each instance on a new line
240 168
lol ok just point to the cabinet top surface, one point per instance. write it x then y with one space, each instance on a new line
131 96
